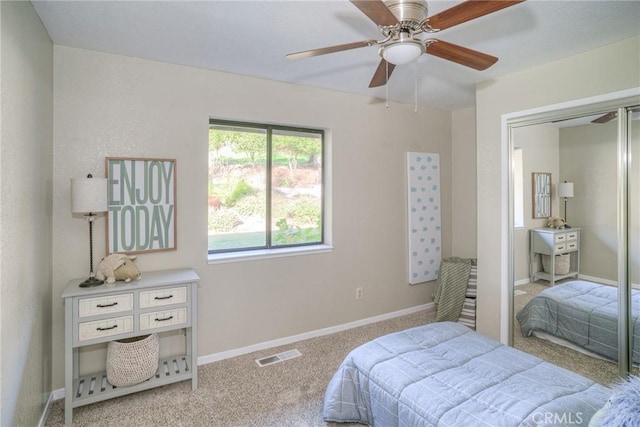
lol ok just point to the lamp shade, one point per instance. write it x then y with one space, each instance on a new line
565 189
88 195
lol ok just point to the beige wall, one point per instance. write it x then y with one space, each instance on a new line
588 158
108 105
608 69
26 82
540 153
463 180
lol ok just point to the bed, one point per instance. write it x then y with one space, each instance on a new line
584 314
445 374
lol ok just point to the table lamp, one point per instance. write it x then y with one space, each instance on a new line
89 198
565 189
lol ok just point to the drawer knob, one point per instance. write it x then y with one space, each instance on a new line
164 320
106 329
113 304
160 298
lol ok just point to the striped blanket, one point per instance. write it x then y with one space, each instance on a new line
456 290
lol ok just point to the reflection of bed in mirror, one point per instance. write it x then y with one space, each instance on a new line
584 314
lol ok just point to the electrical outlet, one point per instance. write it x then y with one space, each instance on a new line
359 293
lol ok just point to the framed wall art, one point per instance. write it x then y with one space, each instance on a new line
141 199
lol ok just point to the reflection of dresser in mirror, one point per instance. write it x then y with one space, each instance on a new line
555 254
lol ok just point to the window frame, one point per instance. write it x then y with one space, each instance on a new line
269 250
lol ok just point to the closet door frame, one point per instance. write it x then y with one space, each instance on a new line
625 214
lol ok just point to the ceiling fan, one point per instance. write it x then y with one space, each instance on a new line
606 117
402 21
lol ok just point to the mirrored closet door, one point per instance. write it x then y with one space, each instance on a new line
572 271
633 126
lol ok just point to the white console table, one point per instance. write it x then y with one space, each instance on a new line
160 301
552 242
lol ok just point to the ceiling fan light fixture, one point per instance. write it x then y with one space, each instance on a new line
402 52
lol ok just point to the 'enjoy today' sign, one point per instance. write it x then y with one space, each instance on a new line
141 199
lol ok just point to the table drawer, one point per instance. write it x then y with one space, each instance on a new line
561 248
161 319
160 297
572 235
105 305
560 238
105 328
572 246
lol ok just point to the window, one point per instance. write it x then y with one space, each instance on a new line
265 186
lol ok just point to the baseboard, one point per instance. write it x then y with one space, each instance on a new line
605 281
58 394
522 282
203 360
597 280
47 408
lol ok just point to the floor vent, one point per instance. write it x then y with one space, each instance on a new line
280 357
518 292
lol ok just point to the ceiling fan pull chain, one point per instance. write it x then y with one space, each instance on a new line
386 86
415 88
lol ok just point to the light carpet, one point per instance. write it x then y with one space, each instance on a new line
237 392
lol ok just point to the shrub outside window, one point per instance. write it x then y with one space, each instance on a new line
265 186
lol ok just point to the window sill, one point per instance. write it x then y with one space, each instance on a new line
267 253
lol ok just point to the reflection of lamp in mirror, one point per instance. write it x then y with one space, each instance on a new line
565 189
89 197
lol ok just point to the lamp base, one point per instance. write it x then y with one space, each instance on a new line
91 282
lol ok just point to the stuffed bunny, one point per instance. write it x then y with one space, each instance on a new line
118 267
555 222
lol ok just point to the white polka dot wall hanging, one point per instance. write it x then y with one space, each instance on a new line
424 227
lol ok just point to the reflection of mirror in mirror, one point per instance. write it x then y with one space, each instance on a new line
541 185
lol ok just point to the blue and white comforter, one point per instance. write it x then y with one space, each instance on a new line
444 374
583 313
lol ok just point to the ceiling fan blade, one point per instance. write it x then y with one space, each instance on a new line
606 118
461 55
331 49
380 77
377 11
470 9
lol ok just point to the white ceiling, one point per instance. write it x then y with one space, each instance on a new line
252 38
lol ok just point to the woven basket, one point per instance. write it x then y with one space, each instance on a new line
133 360
563 263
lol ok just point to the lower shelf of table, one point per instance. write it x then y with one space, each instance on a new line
95 387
